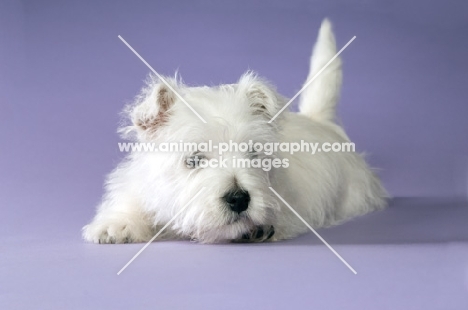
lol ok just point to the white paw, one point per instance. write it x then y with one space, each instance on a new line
116 231
258 234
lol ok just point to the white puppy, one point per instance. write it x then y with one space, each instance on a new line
148 189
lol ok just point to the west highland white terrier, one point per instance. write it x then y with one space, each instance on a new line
150 190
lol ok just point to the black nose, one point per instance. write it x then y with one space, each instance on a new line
237 200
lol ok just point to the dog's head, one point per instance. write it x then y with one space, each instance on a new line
235 198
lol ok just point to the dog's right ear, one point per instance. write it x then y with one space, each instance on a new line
153 106
262 97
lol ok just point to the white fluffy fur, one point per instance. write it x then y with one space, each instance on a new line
147 189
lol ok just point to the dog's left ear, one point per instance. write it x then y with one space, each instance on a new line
155 107
262 97
152 108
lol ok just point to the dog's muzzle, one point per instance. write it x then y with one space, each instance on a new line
237 200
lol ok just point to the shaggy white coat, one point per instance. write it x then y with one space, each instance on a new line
147 189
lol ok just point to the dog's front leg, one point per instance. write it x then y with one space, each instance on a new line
119 220
258 234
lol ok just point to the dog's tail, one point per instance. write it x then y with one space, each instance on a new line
318 100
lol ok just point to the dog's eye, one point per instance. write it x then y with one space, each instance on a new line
253 154
255 151
193 161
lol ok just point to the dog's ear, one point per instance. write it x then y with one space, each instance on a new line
154 107
262 97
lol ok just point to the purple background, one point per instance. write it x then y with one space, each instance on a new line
65 76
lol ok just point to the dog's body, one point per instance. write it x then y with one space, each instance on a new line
148 190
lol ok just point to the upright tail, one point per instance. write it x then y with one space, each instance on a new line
318 101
